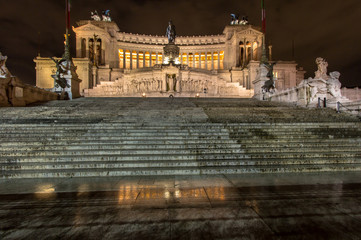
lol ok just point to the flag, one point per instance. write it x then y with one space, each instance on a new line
67 14
263 17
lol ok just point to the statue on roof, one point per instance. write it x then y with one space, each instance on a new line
235 20
171 33
106 16
95 16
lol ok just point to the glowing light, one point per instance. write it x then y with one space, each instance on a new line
166 60
177 61
143 95
197 95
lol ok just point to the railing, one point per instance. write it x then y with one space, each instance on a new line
340 105
324 100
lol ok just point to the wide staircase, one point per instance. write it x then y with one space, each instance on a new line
140 137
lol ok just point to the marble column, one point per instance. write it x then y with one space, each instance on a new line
219 60
212 61
244 52
252 51
131 60
177 86
124 60
164 83
143 59
206 60
137 59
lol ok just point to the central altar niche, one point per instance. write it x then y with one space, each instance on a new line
172 83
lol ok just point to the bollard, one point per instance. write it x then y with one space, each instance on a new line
338 107
319 103
324 103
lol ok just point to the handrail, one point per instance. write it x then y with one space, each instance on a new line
324 102
339 105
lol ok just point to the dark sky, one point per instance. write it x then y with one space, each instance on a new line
319 28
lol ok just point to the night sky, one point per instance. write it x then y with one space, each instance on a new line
319 28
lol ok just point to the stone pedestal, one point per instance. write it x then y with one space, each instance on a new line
171 54
72 79
259 82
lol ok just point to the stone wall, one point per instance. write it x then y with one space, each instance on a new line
353 94
14 93
45 67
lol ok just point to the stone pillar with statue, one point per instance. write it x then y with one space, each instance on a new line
66 80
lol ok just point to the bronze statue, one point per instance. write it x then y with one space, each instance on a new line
171 33
61 69
269 85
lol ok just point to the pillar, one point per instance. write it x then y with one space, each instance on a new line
219 60
252 51
137 59
244 52
124 59
131 59
212 61
143 59
205 60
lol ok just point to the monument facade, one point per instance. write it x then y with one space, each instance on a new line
115 63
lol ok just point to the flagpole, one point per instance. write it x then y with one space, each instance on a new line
264 52
67 20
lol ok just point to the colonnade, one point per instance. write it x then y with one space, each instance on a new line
248 51
129 59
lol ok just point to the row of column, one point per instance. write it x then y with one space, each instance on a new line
205 60
129 59
132 59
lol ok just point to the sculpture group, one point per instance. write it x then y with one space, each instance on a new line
105 16
236 21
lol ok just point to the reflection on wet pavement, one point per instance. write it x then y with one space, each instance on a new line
242 207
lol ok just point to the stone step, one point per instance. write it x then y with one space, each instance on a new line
100 137
175 164
115 138
30 144
178 171
243 142
115 134
216 143
122 152
116 130
172 147
161 125
82 147
174 157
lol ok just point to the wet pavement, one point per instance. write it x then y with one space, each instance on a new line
248 206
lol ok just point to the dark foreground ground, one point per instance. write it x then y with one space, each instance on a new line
266 206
